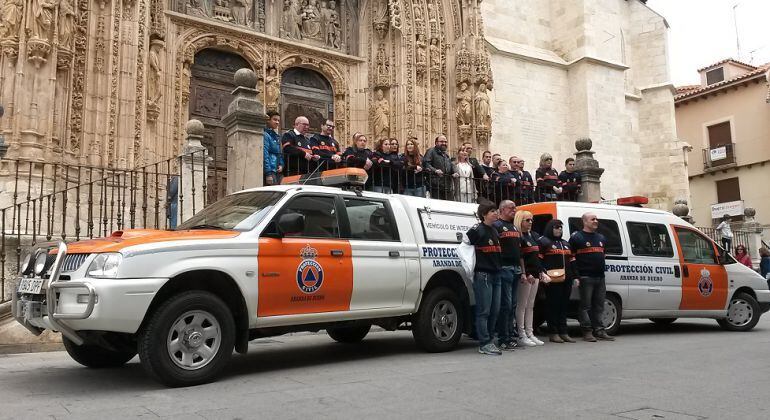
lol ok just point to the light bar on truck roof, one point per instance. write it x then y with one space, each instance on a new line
331 178
632 201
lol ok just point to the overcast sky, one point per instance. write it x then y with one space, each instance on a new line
703 32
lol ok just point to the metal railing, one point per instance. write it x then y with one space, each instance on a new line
51 201
742 237
716 157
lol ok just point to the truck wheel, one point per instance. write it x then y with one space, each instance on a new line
742 314
438 325
352 334
93 356
663 321
613 312
188 340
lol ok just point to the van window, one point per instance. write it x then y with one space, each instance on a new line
650 240
320 216
696 248
370 219
608 228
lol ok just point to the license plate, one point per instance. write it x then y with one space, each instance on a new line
28 285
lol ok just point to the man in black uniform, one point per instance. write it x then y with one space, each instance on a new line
327 147
440 168
296 148
588 246
570 181
486 163
510 274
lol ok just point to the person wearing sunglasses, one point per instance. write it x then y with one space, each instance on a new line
588 245
327 147
742 255
557 257
533 275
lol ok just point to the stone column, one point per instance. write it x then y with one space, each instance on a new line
194 162
754 229
589 170
245 123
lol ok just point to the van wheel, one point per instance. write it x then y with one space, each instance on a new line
613 312
349 334
438 325
188 340
742 314
94 356
663 321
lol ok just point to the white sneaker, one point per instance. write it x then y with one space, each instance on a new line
535 340
526 342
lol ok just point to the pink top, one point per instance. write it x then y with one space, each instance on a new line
744 259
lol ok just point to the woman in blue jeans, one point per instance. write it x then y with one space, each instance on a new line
486 277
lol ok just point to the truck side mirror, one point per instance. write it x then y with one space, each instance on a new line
291 223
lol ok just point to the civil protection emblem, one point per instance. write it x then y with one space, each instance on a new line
705 285
310 274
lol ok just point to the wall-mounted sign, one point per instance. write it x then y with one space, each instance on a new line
719 153
730 208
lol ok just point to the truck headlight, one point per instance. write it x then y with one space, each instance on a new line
26 263
40 263
105 265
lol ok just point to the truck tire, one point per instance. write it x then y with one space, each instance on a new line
613 313
97 357
438 325
188 340
742 314
663 321
352 334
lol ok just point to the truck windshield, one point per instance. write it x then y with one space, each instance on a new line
239 212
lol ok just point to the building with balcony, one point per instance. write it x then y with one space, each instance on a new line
726 120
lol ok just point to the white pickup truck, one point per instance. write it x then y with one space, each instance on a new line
258 263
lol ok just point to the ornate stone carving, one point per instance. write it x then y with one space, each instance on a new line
78 77
292 20
37 51
481 107
382 76
395 14
311 21
380 18
154 72
66 24
63 60
11 12
240 9
41 19
157 19
200 8
222 10
272 89
464 105
331 24
381 115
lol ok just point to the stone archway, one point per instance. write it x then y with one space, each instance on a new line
211 86
305 92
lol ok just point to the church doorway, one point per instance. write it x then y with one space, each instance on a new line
211 86
305 92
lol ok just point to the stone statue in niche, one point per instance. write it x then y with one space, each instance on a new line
292 19
41 22
272 89
417 11
222 10
198 8
66 23
421 58
481 103
435 54
381 115
11 14
330 21
240 10
383 66
464 104
154 71
311 20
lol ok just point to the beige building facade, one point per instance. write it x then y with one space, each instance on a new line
726 120
111 83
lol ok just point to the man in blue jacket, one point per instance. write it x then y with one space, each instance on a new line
273 155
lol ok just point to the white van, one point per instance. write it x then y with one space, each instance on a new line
660 267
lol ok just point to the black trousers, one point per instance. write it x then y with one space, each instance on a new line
557 302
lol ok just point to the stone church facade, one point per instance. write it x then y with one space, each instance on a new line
113 82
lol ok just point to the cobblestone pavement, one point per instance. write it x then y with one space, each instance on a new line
689 370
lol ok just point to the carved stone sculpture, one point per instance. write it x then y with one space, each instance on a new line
154 71
222 10
311 20
11 13
435 55
383 67
381 115
42 17
240 9
421 52
464 104
481 103
66 23
272 89
331 24
292 19
200 8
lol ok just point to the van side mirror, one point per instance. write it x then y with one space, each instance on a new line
291 223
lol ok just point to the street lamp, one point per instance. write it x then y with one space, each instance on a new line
3 146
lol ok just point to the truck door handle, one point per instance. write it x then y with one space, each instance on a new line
685 270
677 272
337 253
394 254
653 290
